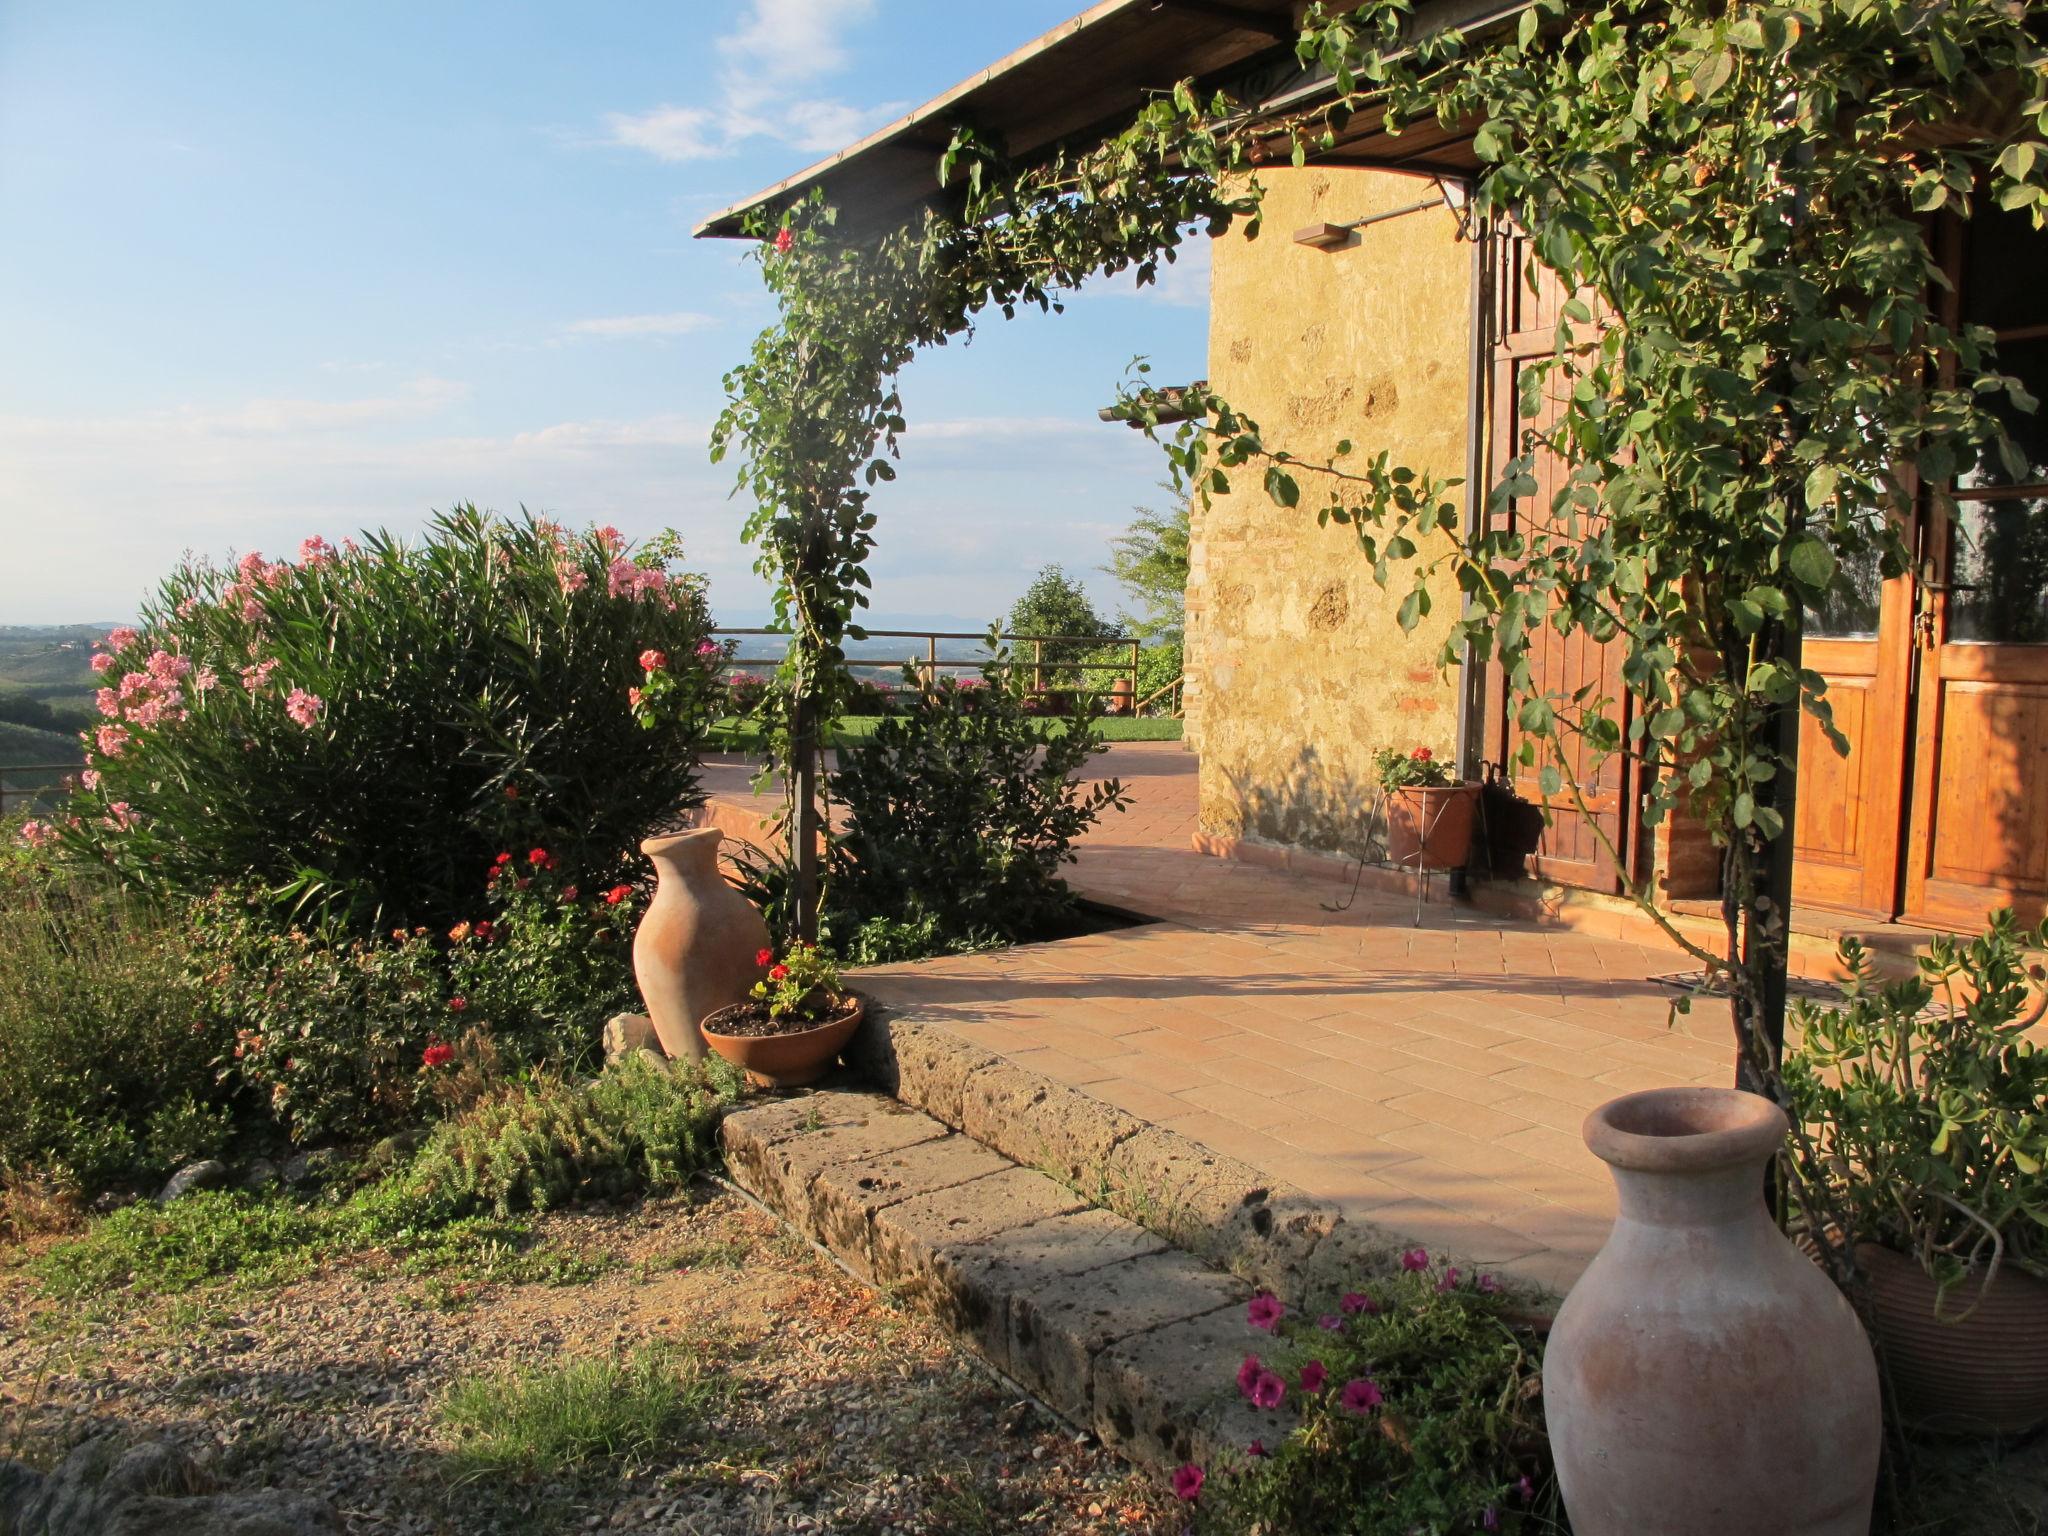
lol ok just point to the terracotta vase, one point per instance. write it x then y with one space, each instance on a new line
786 1061
1976 1362
1704 1377
1430 826
693 953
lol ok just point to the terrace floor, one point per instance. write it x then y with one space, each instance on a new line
1429 1077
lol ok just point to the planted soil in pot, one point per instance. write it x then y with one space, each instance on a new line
781 1053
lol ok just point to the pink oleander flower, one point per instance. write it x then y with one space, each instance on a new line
149 712
707 647
250 565
120 816
134 685
258 676
205 680
252 609
624 577
109 703
1355 1302
609 538
1269 1391
653 661
90 778
167 669
121 637
1313 1376
38 834
1264 1311
1187 1478
1249 1373
1414 1259
1361 1395
110 739
572 576
188 607
315 551
102 661
303 707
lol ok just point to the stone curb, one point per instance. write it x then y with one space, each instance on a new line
1086 1309
1269 1233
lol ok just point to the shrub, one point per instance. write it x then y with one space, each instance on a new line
1055 604
1418 1409
106 1051
638 1126
1929 1127
964 815
362 729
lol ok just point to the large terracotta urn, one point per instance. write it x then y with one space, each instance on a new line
1704 1378
693 953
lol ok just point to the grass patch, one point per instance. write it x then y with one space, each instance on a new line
545 1423
745 736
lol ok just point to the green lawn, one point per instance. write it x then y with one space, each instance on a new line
855 730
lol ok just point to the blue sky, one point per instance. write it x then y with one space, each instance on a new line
273 270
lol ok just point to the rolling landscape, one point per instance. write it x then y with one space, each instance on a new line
46 696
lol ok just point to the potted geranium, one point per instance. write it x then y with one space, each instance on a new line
1927 1105
1429 812
795 1023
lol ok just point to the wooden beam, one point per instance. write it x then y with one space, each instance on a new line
1280 28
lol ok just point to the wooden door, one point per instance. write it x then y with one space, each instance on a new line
1979 826
1846 827
1577 848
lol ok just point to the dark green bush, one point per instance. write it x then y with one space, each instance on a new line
960 811
363 729
106 1049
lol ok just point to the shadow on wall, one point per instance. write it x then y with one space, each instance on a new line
1309 805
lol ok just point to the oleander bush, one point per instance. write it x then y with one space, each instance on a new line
359 730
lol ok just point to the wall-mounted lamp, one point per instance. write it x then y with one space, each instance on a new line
1450 193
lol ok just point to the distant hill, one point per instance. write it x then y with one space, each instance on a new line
50 662
20 744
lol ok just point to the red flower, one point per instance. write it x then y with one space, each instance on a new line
778 973
502 860
1422 754
485 928
784 239
457 1004
511 791
764 957
437 1055
540 858
1187 1483
570 892
617 894
652 661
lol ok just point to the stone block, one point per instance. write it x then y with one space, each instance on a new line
1044 1124
933 1067
774 1150
625 1033
843 1195
1057 1331
911 1234
1170 1395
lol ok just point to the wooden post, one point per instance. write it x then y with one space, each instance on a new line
1038 666
1134 677
931 661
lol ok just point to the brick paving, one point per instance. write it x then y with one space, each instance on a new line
1428 1077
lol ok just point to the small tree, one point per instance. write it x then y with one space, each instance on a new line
1055 604
1149 559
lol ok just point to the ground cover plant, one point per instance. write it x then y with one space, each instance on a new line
1417 1404
358 730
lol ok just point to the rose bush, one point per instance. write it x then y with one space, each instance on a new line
358 730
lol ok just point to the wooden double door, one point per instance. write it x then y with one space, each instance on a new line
1938 678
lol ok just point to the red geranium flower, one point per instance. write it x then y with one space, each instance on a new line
1422 754
502 859
784 239
617 894
485 928
457 1004
437 1055
778 973
540 858
764 957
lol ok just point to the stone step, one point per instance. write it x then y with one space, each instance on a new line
1095 1314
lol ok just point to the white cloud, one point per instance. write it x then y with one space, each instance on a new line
776 48
612 327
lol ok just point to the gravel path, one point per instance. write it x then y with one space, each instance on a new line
845 1414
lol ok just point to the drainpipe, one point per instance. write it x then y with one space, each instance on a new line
1471 667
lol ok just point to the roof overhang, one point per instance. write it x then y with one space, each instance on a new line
1087 78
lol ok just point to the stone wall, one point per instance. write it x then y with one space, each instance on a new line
1297 671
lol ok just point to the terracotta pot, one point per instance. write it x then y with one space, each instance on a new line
1434 821
786 1061
1120 695
1703 1377
1985 1370
694 950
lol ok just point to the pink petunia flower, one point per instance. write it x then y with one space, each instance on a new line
1361 1395
1524 1489
1487 1284
1264 1311
1256 1448
1330 1322
1414 1259
1355 1302
1313 1376
1249 1373
1187 1482
1269 1391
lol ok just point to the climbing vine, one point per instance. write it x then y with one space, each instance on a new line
1749 384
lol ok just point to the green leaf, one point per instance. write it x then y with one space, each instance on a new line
1811 563
1281 486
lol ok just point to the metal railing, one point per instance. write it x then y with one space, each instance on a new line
1124 670
13 793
